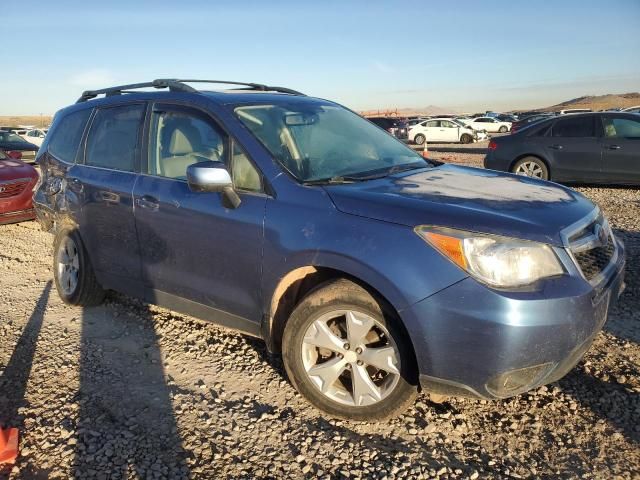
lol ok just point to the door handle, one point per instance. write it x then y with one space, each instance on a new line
148 202
556 147
109 197
614 147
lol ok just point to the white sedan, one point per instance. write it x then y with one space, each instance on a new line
441 130
35 136
489 124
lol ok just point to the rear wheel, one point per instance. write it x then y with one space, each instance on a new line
502 129
72 271
347 356
466 138
419 139
531 167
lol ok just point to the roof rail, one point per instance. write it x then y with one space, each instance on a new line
178 86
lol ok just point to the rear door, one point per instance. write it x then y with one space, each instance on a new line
104 182
621 149
574 148
193 245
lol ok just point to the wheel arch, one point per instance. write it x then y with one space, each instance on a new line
298 283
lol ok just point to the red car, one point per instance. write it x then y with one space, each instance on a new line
17 181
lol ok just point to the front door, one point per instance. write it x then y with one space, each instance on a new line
621 149
194 245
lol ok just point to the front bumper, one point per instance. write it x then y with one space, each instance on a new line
19 216
473 341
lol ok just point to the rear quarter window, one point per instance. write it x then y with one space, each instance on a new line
65 139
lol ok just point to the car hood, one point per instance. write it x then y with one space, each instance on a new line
14 169
469 199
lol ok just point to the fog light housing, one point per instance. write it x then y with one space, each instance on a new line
513 382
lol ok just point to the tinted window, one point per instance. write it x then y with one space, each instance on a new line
621 127
113 137
180 139
66 137
574 127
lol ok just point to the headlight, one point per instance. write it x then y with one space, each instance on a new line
497 261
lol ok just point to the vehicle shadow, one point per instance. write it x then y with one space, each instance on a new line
611 402
15 376
623 318
126 424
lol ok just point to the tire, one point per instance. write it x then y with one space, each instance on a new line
71 262
466 138
531 167
419 139
503 129
332 305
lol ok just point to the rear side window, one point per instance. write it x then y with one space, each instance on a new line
621 128
113 137
574 127
67 135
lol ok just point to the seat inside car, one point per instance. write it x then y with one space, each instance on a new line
181 146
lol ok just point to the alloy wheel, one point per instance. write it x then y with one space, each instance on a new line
530 169
351 358
68 266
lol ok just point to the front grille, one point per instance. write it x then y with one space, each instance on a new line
593 262
12 189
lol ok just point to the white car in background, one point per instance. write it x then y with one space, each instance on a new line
35 136
441 130
489 124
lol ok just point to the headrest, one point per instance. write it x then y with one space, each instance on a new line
184 140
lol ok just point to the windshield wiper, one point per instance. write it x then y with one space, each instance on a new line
337 180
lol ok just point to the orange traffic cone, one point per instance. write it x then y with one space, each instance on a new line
425 150
8 445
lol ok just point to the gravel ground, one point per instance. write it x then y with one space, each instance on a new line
128 390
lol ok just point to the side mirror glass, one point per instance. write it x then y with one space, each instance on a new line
211 176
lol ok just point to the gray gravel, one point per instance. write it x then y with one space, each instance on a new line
128 390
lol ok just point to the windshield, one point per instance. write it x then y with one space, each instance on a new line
11 137
322 142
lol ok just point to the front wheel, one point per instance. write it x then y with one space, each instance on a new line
531 167
348 356
466 138
72 271
502 129
419 139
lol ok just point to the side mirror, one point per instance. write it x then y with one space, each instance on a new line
211 176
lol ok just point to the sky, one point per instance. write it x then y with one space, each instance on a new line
459 54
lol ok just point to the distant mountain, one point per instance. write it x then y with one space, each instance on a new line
598 102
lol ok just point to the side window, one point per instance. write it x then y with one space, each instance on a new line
447 124
244 174
621 128
179 139
66 137
574 127
432 124
113 137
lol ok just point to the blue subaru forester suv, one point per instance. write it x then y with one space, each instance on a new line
373 271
